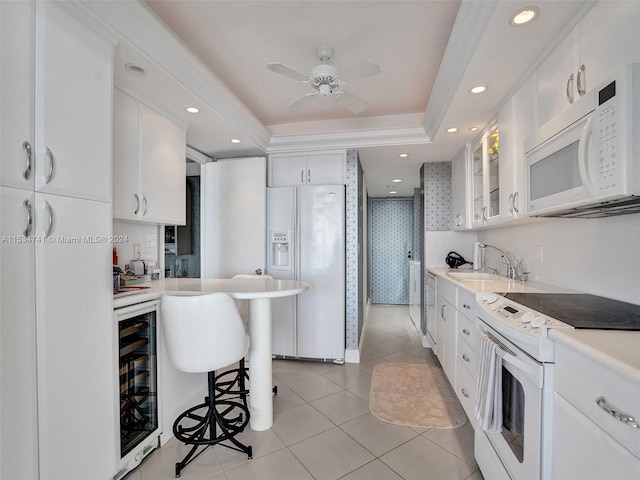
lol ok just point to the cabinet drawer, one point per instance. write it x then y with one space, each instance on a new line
466 389
467 330
447 289
582 380
467 302
467 356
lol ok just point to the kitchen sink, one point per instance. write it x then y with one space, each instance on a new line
475 276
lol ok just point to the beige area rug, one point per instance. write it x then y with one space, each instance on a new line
415 395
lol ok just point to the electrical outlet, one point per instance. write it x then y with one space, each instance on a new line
537 254
137 253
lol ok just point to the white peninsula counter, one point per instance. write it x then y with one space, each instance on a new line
259 292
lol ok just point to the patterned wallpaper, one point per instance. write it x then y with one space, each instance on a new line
391 238
351 246
437 194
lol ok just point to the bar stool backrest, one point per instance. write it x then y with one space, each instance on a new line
203 332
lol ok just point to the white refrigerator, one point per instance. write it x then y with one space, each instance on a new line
306 241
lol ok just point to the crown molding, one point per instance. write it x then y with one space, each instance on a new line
470 25
133 22
352 139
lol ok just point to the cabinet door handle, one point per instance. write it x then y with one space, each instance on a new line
510 202
301 176
29 209
135 212
47 205
458 220
466 358
465 393
570 89
49 154
466 332
146 205
309 176
515 202
28 160
581 81
442 313
468 307
483 214
623 417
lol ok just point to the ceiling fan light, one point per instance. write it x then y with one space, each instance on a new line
324 89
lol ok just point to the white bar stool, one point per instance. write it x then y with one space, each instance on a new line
204 333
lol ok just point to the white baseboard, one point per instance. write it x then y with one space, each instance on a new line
351 356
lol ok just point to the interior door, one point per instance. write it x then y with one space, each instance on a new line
391 240
233 217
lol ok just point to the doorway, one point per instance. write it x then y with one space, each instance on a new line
391 237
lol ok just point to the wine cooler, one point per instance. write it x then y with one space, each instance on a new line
137 384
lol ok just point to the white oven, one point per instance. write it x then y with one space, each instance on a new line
517 447
520 447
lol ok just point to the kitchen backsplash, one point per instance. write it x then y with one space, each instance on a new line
597 256
437 194
132 234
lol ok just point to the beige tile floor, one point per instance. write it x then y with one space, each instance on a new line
323 430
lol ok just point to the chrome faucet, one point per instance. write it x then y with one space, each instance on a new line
512 272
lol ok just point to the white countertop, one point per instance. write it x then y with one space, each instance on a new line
619 350
494 284
240 288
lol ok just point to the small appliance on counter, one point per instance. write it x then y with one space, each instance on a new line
455 260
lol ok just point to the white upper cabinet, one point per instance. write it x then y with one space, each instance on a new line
149 164
609 39
459 209
485 170
17 64
604 40
558 78
290 170
517 122
73 105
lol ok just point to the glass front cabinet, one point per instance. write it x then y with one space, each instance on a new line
485 168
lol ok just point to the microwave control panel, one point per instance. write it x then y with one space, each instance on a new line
607 136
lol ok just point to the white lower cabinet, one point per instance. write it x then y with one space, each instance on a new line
585 451
75 364
18 400
446 336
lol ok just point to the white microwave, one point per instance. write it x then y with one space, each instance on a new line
584 162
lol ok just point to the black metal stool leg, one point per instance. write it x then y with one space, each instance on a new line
213 422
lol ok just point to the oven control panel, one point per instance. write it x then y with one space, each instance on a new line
514 315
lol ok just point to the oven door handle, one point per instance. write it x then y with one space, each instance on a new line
534 373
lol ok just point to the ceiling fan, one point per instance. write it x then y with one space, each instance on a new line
325 80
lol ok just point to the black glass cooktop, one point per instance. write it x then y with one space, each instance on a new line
582 310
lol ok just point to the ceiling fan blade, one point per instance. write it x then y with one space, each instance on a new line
301 102
282 69
350 101
361 70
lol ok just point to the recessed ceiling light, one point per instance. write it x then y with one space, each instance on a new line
473 129
524 16
234 140
192 110
396 180
134 69
478 89
452 130
392 191
403 155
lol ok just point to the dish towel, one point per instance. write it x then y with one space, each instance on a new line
488 407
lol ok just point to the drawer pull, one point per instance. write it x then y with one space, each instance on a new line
466 332
626 419
465 358
465 393
466 306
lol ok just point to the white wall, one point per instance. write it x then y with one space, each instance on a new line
597 256
135 233
439 244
